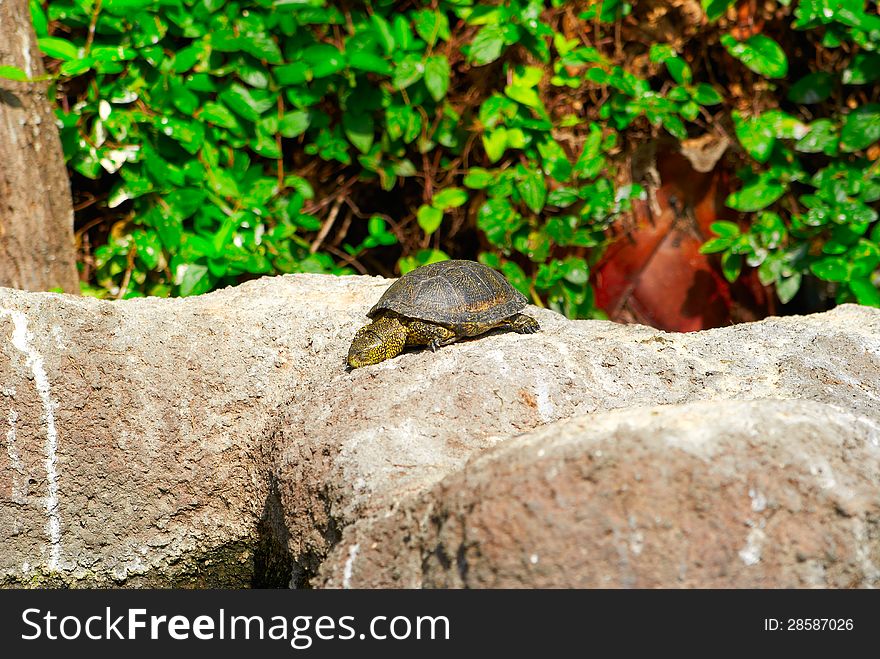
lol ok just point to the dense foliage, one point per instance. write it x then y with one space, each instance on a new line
213 140
815 182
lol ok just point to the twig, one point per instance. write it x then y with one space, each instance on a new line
344 188
348 258
126 279
88 225
92 24
86 257
93 199
328 223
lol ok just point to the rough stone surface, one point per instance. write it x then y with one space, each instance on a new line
219 440
709 494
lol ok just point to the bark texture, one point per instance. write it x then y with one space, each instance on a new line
36 211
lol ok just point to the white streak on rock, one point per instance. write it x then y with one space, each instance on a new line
349 563
34 361
19 489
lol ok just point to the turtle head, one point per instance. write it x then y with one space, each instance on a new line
380 340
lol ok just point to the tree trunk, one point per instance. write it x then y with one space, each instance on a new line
36 211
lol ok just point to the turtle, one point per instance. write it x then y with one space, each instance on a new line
438 304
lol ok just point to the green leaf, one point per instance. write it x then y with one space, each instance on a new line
852 13
324 60
516 138
562 197
183 99
193 279
244 102
756 136
706 94
787 288
77 67
496 218
495 143
866 293
715 9
532 187
58 48
554 159
383 32
478 178
496 109
525 95
167 225
422 257
813 88
731 265
831 269
294 123
13 73
437 76
863 69
219 115
486 46
38 17
408 71
783 125
262 46
184 202
725 229
292 74
403 122
660 52
449 198
186 58
757 194
515 275
189 134
861 128
679 70
149 248
715 245
675 126
821 138
865 257
591 160
760 53
366 61
429 218
431 25
689 111
359 128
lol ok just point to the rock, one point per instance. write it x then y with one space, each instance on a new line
218 440
133 432
752 494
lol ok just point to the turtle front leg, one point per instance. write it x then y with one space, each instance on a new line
522 324
420 333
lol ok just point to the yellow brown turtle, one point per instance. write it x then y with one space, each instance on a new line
435 305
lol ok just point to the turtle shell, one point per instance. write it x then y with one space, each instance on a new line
452 293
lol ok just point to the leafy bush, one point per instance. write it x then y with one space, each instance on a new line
214 140
817 184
